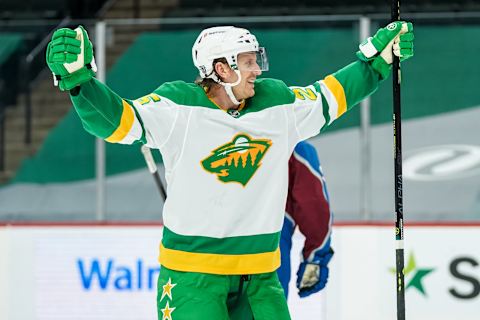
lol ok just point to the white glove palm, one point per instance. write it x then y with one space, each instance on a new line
312 275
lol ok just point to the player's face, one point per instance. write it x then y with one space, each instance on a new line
249 70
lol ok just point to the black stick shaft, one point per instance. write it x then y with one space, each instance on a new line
160 186
152 167
397 135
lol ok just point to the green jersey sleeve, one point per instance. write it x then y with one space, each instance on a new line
117 120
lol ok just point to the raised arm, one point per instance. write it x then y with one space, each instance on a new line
318 105
104 113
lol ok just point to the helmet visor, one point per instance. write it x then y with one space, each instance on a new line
253 61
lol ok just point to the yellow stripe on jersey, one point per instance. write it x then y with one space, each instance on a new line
126 123
336 88
219 263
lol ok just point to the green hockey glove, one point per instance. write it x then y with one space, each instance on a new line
396 38
70 58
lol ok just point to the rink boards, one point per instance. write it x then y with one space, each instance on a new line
109 272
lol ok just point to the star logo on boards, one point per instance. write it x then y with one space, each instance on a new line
237 160
417 274
167 312
167 289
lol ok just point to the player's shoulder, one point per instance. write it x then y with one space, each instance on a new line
270 93
306 152
183 93
269 86
304 147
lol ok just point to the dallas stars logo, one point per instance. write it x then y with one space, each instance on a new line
167 291
167 312
417 275
238 160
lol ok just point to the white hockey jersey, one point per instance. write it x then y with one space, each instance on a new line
226 172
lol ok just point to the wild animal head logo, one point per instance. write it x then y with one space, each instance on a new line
238 160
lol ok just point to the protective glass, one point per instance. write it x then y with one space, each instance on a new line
250 62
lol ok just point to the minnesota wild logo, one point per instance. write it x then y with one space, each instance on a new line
238 160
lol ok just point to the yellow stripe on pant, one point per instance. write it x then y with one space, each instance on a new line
228 264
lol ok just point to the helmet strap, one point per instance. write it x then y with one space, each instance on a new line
228 87
229 91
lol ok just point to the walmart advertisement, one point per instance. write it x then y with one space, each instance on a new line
110 272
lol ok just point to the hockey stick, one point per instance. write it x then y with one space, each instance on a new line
152 167
397 137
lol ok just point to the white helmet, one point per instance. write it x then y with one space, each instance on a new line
225 42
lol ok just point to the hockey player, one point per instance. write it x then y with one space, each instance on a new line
308 207
225 143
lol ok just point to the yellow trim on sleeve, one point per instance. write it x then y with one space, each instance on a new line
336 88
126 123
228 264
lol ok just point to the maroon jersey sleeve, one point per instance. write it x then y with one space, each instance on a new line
307 201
